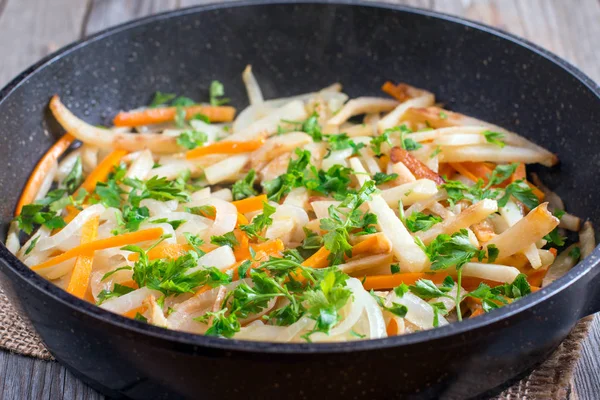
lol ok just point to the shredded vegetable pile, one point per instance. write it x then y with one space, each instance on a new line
309 218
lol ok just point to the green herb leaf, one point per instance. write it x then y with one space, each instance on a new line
260 222
217 91
75 177
118 291
108 274
380 178
418 221
227 239
446 251
192 139
494 138
161 98
244 188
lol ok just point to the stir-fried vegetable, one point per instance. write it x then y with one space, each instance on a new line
297 221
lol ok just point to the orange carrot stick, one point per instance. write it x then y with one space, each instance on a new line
241 220
377 282
41 169
101 244
241 251
399 91
372 245
250 204
392 327
225 148
464 171
80 278
170 250
271 247
318 260
165 114
519 173
134 311
100 173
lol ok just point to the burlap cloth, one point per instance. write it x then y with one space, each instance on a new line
549 381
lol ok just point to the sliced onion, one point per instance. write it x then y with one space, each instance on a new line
72 228
157 208
220 258
225 215
129 301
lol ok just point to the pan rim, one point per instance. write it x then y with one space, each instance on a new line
161 334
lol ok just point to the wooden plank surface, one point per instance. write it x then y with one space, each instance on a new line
31 29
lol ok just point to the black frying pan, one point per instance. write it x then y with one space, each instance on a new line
295 48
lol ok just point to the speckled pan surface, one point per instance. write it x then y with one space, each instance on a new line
294 48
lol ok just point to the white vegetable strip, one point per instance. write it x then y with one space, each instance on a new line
107 139
129 301
408 253
293 111
470 216
362 105
72 228
393 118
410 192
227 169
492 272
533 227
225 215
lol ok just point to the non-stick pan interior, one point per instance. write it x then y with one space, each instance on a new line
300 48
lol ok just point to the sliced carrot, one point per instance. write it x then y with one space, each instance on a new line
319 259
399 91
473 170
536 276
241 220
241 251
418 169
553 251
519 173
374 244
133 312
165 114
271 247
392 327
250 204
130 284
41 170
478 311
71 213
170 250
225 148
100 173
101 244
203 289
446 170
464 171
80 277
538 193
378 282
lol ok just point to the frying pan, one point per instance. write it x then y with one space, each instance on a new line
294 48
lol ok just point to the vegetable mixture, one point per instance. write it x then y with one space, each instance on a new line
309 218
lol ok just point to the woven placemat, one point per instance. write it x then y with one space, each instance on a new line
549 381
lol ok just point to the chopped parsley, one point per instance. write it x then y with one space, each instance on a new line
244 188
380 178
419 221
192 139
494 138
259 223
216 92
227 239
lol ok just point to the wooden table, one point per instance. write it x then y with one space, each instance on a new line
30 29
